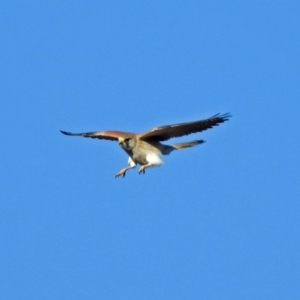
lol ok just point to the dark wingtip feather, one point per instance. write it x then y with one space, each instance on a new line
226 116
64 132
223 118
67 133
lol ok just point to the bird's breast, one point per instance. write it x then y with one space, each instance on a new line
142 151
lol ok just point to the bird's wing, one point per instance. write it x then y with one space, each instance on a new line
103 135
163 133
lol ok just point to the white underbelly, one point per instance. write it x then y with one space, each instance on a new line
147 158
146 154
154 159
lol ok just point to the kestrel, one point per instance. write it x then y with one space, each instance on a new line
146 148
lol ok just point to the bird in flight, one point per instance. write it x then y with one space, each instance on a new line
146 148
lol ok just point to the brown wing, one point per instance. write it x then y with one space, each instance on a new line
103 135
163 133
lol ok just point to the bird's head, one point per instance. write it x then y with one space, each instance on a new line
126 143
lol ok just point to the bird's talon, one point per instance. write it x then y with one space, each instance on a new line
120 174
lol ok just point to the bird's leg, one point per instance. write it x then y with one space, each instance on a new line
143 167
122 172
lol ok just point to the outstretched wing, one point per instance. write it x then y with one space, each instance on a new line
103 135
163 133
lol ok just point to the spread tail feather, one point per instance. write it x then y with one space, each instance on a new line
187 144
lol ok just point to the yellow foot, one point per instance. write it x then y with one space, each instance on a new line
142 169
121 173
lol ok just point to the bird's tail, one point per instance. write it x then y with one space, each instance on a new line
180 146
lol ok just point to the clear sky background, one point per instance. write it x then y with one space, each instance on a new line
219 221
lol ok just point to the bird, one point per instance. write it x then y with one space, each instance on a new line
145 149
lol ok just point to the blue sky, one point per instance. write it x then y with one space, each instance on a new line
218 221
